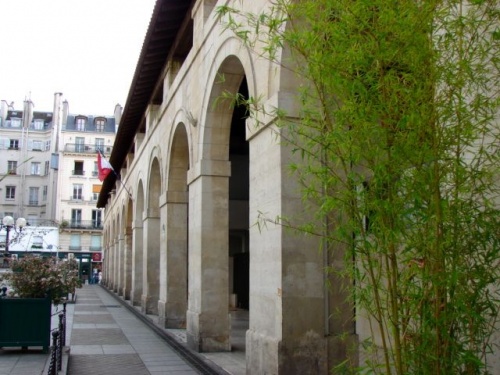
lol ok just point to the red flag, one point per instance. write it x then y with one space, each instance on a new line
103 166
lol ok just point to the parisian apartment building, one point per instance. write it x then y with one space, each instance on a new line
48 172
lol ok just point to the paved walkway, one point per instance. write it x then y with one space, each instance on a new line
107 338
106 335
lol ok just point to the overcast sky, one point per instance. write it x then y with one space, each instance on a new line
85 49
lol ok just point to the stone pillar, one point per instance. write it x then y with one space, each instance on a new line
116 264
208 321
111 276
105 265
127 272
292 326
172 306
137 260
151 263
121 263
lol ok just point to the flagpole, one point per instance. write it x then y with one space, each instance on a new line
108 167
124 186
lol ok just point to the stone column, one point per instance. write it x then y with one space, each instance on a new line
120 264
137 260
151 263
296 327
116 264
208 322
172 306
127 272
111 276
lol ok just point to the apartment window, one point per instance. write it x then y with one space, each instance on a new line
75 242
96 218
44 193
76 217
95 242
77 191
38 124
99 144
33 191
78 169
36 168
10 192
95 172
80 123
99 124
96 189
12 166
47 146
37 146
80 144
14 144
46 168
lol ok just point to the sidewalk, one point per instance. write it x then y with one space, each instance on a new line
106 336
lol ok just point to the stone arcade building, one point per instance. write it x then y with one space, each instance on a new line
180 240
183 242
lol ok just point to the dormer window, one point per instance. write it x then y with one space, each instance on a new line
80 123
38 124
15 122
100 123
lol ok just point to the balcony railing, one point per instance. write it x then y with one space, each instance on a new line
84 248
82 224
87 149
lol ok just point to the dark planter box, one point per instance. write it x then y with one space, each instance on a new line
25 322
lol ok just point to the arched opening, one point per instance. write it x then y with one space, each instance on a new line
151 277
137 248
239 256
176 259
218 220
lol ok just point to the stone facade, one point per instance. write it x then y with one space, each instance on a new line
184 245
181 239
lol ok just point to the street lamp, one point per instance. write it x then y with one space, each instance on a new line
8 224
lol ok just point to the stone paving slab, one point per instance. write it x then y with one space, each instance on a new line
96 307
21 362
101 336
93 318
112 364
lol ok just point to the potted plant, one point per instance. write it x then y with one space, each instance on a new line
35 283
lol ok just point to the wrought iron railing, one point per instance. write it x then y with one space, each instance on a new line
87 149
58 342
82 224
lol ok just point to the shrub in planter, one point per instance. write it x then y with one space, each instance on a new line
36 277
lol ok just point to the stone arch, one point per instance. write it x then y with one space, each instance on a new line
232 63
209 204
